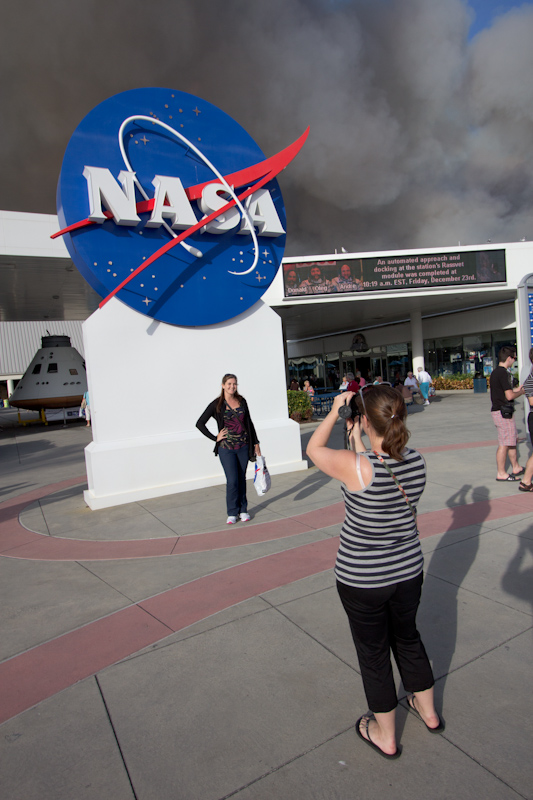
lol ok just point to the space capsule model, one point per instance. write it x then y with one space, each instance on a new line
56 377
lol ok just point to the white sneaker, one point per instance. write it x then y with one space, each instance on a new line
426 403
231 520
245 517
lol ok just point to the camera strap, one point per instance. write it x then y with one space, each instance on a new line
397 482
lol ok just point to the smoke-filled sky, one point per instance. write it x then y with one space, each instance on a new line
421 114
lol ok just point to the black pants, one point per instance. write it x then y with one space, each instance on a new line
382 620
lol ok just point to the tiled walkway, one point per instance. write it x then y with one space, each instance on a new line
166 657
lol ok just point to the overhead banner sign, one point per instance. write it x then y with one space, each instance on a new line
434 270
168 204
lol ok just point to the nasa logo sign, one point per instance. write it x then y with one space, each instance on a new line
168 204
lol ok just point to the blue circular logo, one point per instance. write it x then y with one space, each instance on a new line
167 203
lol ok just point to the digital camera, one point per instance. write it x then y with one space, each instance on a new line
349 410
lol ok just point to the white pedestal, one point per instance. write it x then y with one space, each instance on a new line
149 382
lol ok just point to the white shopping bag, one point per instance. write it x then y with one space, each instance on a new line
261 477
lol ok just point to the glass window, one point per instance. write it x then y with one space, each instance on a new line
307 368
501 338
52 367
397 349
476 349
506 338
36 369
376 368
397 362
347 364
333 378
449 351
430 357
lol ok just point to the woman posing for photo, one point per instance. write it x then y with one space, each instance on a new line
236 444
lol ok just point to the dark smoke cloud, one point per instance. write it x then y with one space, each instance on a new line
418 137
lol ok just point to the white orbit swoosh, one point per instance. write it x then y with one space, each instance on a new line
211 166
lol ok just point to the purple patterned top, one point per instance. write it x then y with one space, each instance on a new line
234 422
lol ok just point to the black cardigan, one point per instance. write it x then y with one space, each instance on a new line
211 411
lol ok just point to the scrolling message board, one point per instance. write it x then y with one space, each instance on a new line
435 270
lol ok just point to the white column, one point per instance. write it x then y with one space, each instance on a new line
10 387
417 340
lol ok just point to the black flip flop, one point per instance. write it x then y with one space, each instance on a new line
440 727
525 487
369 741
508 478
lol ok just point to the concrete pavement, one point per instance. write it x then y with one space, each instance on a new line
148 651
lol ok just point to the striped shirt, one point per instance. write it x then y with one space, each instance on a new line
379 542
528 385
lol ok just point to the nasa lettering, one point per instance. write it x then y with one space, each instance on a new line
168 204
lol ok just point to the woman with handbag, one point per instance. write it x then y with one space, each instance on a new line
236 444
379 561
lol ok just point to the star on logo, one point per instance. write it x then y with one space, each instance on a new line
146 301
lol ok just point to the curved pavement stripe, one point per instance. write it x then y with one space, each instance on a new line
17 542
46 669
39 673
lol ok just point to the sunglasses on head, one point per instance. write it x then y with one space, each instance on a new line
367 387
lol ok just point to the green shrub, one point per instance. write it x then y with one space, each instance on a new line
299 405
456 381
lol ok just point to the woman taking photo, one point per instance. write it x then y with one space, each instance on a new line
236 444
379 561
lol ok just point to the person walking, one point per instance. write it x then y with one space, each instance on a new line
424 382
236 444
379 561
86 405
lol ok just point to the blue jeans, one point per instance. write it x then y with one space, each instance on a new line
234 464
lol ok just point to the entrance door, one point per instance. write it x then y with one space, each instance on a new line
377 368
348 365
363 366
